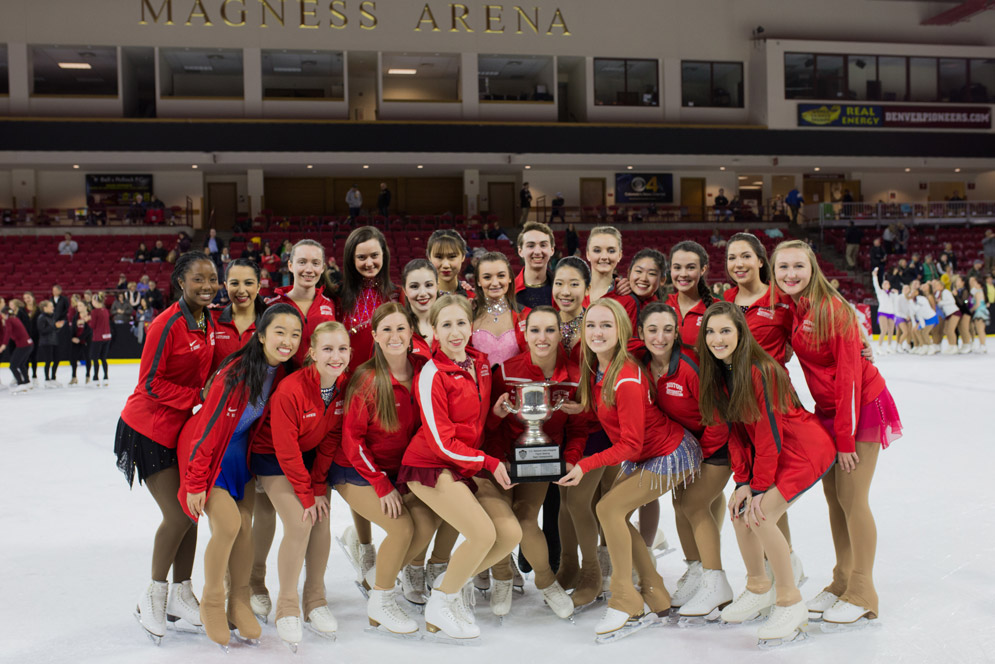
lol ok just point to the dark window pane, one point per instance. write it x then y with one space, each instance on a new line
728 84
642 82
829 73
983 81
922 79
73 70
891 73
862 77
626 82
609 80
4 85
799 76
953 79
695 82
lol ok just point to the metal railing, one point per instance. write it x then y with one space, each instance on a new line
830 214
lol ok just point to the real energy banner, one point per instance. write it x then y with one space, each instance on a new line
862 116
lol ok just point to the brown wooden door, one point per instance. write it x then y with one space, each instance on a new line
501 201
222 205
693 198
592 194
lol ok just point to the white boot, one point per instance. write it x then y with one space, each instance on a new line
433 572
290 631
798 570
444 613
322 622
413 584
784 623
482 581
367 557
152 608
821 602
261 605
845 613
182 604
687 585
383 612
605 561
748 606
714 592
468 600
501 597
612 621
558 600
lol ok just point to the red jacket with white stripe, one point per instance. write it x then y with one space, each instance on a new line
205 436
771 327
227 339
689 324
176 361
299 421
366 446
453 411
677 396
567 431
638 430
840 379
322 309
789 449
632 304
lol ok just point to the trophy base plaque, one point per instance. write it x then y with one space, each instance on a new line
537 463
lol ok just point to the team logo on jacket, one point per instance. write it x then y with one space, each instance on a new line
232 412
325 310
675 390
808 326
699 321
556 395
339 407
485 371
219 335
194 345
763 312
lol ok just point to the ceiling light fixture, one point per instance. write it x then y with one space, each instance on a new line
956 170
193 166
393 71
816 169
366 165
527 167
75 65
420 166
722 168
908 170
76 166
628 168
310 165
287 70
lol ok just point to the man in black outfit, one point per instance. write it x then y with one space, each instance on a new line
60 314
879 257
853 237
557 210
383 200
525 201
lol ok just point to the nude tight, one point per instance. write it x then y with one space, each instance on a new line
176 539
523 502
766 539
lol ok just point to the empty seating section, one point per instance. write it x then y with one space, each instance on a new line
30 263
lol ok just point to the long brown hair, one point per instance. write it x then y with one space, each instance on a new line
352 280
479 299
589 360
738 402
372 378
692 247
831 313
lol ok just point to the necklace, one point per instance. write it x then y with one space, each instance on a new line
465 365
496 307
202 323
569 331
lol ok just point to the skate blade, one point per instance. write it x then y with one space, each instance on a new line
380 630
263 619
660 553
182 626
244 640
348 556
293 646
154 638
362 589
763 615
325 635
595 602
711 618
440 637
796 638
839 628
420 608
627 630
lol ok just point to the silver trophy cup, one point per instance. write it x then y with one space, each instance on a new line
535 458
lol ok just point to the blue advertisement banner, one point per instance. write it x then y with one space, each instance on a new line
874 115
644 188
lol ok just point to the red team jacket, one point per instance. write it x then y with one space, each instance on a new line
790 450
375 453
770 327
632 305
227 340
205 436
100 322
677 396
567 431
322 309
638 430
299 422
691 323
841 381
176 362
454 409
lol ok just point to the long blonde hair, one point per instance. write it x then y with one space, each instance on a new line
589 360
372 378
831 313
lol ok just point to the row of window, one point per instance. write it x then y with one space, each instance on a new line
888 78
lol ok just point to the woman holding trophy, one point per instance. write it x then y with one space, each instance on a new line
544 368
656 454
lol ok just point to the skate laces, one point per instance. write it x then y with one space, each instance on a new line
391 607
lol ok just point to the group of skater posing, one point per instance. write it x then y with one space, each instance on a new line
398 397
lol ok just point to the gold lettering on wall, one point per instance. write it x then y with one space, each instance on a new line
167 6
241 13
558 22
339 20
198 4
528 21
464 11
366 10
427 17
309 9
278 16
491 17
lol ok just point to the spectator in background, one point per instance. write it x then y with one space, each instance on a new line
383 200
136 211
155 203
901 238
977 270
988 249
265 284
121 311
143 284
49 327
879 257
132 295
571 241
225 259
525 202
929 270
716 239
142 253
946 263
155 297
68 246
853 237
794 201
888 237
143 318
158 252
333 275
915 268
896 275
251 252
122 282
557 210
948 249
214 244
269 261
722 206
354 201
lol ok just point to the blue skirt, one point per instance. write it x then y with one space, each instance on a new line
344 475
682 462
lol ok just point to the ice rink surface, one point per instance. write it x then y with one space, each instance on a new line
77 546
